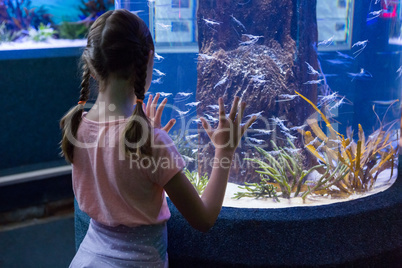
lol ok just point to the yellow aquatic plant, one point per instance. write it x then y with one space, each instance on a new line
363 160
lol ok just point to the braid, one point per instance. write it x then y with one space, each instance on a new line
70 122
139 125
86 75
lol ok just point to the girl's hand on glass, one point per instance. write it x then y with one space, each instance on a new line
155 114
227 135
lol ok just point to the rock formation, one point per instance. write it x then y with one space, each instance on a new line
255 49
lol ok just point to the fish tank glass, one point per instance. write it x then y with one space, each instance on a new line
323 77
36 25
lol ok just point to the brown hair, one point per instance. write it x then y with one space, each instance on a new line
119 43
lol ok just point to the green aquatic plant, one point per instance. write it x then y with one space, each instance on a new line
285 167
43 33
72 30
199 182
186 147
363 160
262 189
7 35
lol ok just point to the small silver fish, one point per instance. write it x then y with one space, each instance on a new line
287 97
157 81
337 104
264 131
221 82
399 71
214 107
184 94
362 44
280 123
211 22
206 57
298 127
190 137
255 114
311 70
163 94
164 26
182 112
211 118
187 158
238 22
362 75
255 140
340 54
193 104
313 82
158 73
158 57
252 39
327 42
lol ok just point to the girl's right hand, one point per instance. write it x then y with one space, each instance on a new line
227 135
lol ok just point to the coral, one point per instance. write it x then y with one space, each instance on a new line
263 189
286 168
199 182
357 163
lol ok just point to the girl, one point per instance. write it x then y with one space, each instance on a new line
123 161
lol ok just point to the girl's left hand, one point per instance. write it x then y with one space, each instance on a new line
155 115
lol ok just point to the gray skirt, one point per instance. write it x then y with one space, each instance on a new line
121 246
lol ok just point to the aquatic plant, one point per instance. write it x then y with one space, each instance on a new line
7 35
187 150
262 189
358 163
199 182
72 30
43 33
18 15
92 9
286 168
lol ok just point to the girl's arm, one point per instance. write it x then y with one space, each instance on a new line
202 212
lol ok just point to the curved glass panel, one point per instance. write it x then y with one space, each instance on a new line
323 77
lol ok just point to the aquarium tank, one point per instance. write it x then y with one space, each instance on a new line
323 77
41 24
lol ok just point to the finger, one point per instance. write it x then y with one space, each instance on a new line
159 111
248 124
240 113
148 111
154 104
206 126
155 101
169 125
234 108
144 107
222 114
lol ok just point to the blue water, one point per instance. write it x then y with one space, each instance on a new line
61 10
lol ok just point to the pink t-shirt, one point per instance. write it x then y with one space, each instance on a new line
115 189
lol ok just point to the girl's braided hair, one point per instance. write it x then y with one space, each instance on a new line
119 43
